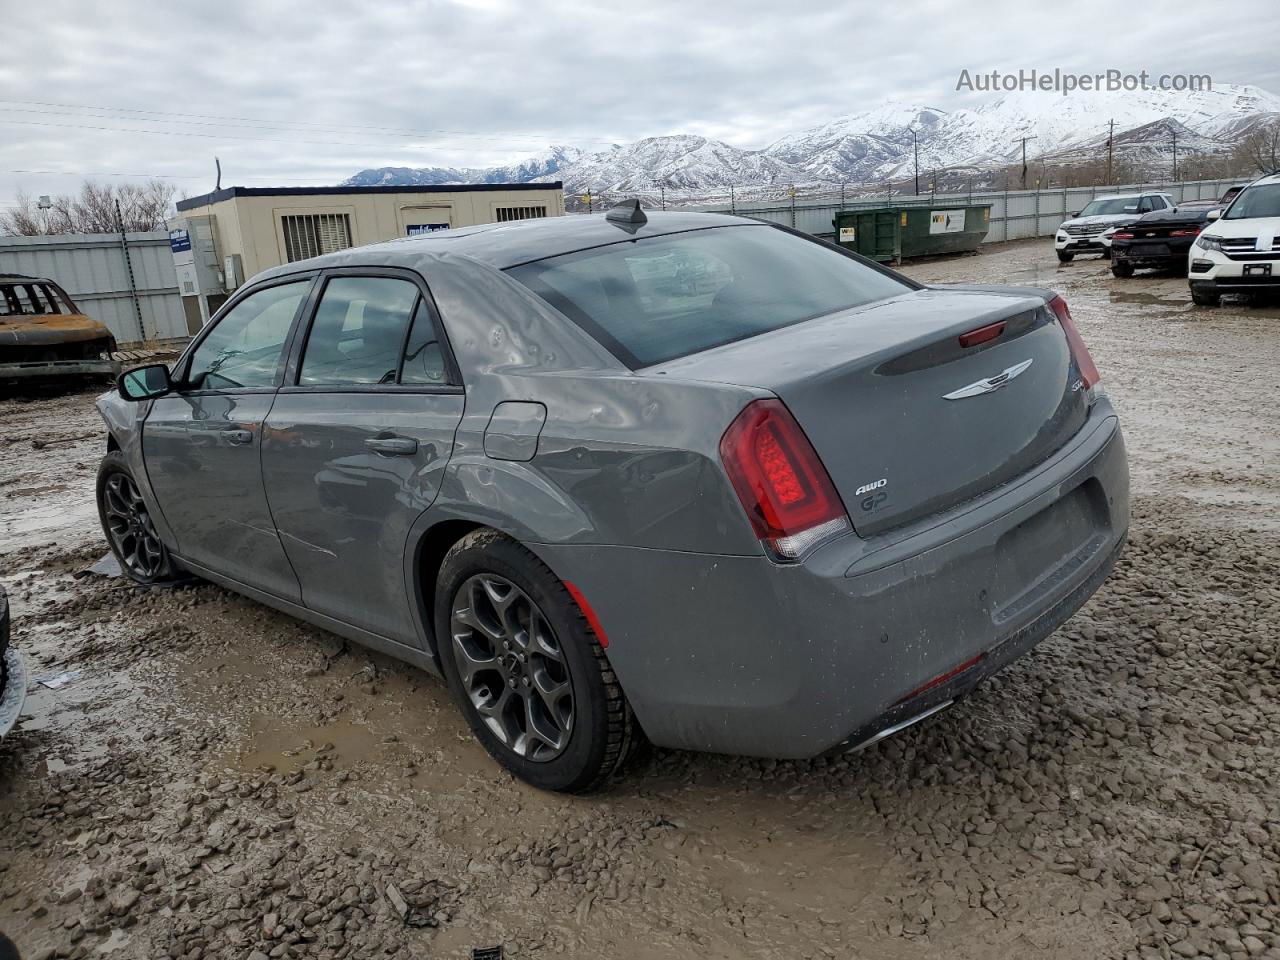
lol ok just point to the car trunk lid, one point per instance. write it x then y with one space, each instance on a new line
907 418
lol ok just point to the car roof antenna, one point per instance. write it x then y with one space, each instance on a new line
627 214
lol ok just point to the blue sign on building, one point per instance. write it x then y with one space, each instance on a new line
179 241
418 229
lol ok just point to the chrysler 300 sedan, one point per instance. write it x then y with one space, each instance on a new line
687 477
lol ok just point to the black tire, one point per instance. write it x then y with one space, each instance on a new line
1204 298
603 732
1121 268
1065 256
149 561
1106 253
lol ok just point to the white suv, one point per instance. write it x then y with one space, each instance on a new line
1239 252
1089 231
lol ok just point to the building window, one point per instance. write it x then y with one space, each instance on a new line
519 213
312 234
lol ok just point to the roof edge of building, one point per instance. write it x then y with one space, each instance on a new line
228 193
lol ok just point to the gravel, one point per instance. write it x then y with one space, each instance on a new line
220 781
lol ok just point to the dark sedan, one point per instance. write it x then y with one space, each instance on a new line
1159 239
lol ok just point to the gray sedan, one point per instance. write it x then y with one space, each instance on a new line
687 477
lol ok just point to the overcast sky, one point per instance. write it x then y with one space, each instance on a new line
310 92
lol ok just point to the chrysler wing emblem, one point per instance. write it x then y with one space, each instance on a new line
989 385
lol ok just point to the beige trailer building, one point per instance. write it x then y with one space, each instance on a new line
223 238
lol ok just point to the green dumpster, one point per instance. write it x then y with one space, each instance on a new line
894 233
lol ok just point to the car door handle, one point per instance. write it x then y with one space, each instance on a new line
393 446
238 438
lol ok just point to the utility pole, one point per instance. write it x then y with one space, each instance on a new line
1175 155
792 190
841 194
733 206
128 265
1111 130
1024 160
662 185
915 150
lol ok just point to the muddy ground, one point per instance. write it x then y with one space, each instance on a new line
217 780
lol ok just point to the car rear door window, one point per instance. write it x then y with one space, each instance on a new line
423 356
358 332
244 348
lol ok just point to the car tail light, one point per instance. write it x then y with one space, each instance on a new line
1122 236
1189 232
783 486
1089 376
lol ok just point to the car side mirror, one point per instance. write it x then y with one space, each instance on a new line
1073 214
145 383
1213 214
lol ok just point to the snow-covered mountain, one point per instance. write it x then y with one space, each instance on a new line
679 162
876 145
542 166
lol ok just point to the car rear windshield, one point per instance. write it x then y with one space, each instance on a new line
659 298
1259 201
1096 208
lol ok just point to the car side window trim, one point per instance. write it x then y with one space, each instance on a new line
302 331
182 368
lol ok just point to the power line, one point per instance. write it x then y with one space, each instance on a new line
160 176
197 118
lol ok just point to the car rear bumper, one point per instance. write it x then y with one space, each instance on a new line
741 655
1175 253
59 368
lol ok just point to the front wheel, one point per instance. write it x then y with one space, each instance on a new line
1204 298
127 523
527 669
1065 256
1121 268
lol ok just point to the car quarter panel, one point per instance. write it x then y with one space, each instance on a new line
621 458
749 657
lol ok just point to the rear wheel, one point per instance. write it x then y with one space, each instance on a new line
1065 256
527 669
1204 298
127 523
1121 268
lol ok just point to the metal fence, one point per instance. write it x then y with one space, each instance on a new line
127 283
1015 214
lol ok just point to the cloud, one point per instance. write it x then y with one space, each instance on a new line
294 92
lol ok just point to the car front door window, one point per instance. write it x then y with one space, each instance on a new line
358 332
245 347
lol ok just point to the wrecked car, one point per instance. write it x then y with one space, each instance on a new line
44 334
682 476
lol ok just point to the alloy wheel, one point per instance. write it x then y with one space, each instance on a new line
129 524
512 667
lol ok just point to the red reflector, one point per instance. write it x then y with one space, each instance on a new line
1191 232
1122 236
942 678
777 475
1088 371
588 612
982 334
